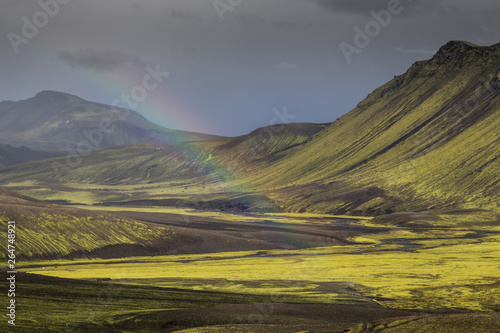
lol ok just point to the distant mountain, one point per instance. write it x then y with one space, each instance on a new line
12 156
428 139
53 121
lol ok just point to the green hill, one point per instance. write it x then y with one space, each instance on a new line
217 162
198 174
47 231
426 139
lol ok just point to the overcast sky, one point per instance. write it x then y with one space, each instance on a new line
230 62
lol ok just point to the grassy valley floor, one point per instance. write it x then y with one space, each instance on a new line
399 273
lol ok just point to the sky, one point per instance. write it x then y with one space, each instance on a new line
227 67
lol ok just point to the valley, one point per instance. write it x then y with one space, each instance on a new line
385 220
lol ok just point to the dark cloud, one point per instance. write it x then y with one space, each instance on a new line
363 7
351 6
227 75
287 24
92 59
292 23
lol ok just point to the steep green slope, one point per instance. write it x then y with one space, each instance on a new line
267 143
53 121
428 138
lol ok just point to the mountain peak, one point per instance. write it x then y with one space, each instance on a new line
50 94
456 44
460 50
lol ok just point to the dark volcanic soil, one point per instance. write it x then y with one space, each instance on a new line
202 234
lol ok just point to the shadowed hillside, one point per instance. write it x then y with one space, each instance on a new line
53 121
11 155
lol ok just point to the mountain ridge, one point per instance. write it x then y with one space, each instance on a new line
416 114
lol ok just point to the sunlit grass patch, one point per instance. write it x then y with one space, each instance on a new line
363 240
398 277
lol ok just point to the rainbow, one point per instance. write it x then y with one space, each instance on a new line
177 116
